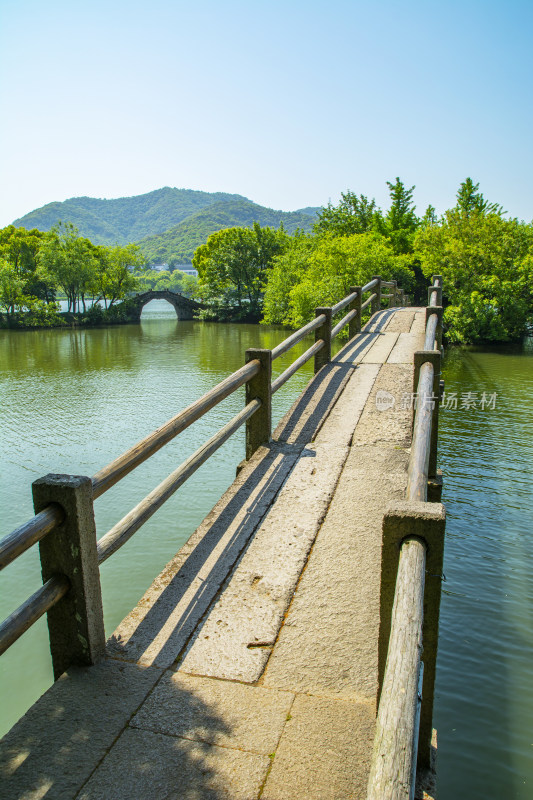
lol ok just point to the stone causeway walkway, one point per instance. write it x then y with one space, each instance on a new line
249 668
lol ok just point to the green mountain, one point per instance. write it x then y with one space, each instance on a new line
179 243
311 210
168 224
125 219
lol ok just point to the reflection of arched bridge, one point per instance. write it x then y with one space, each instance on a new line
184 306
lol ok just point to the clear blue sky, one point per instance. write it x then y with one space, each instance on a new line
288 103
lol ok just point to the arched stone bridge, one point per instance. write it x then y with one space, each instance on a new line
185 307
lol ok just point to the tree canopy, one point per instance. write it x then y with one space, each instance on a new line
249 269
319 271
233 266
35 266
487 266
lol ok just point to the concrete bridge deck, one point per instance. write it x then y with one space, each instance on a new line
249 668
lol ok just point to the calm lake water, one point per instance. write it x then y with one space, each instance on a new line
484 707
71 402
74 400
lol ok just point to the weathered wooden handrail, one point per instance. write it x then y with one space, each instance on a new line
296 337
253 375
53 515
431 332
417 482
124 530
125 463
394 754
344 321
23 537
295 366
31 610
343 303
318 322
368 302
394 760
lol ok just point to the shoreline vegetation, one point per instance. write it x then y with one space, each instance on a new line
263 274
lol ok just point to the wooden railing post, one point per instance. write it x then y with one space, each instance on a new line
393 302
401 298
425 521
76 622
434 357
324 332
376 302
259 426
355 324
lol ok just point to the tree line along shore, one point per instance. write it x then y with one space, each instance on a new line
267 274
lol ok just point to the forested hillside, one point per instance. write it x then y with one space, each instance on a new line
178 244
169 224
125 219
249 267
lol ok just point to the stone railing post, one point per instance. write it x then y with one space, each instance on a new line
434 357
376 302
76 622
259 426
354 325
425 521
324 332
438 290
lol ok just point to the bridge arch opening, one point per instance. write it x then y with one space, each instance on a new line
159 308
183 306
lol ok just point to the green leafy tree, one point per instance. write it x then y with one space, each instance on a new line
233 266
173 280
289 269
12 297
320 271
21 248
429 218
71 262
354 214
116 274
471 201
487 266
400 222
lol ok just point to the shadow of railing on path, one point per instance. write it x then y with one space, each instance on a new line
67 745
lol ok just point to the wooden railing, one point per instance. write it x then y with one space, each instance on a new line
406 682
64 522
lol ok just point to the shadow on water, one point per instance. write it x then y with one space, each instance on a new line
484 699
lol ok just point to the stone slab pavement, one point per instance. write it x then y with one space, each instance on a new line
249 668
